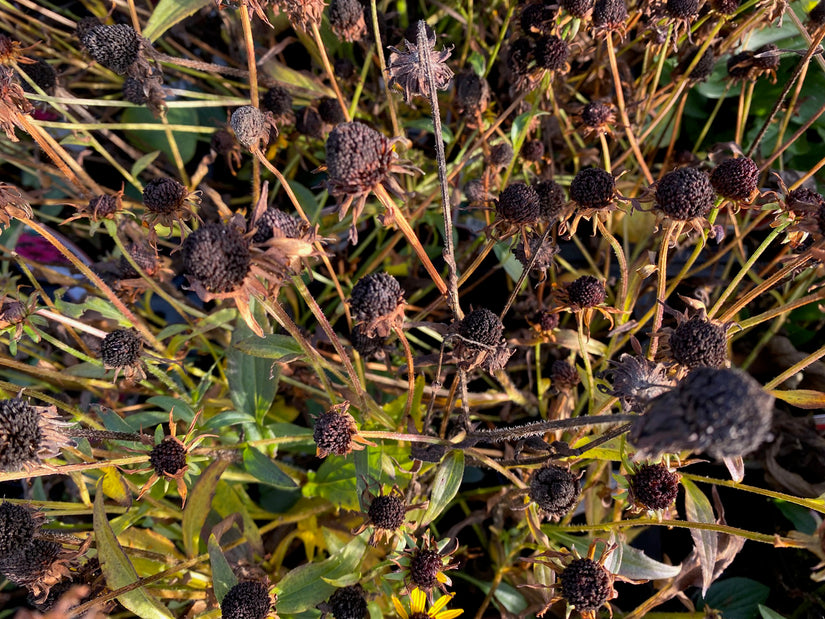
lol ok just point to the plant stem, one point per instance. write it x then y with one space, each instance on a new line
251 63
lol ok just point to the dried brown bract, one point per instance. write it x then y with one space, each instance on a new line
13 103
407 70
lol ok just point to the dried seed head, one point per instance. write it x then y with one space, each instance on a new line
537 18
168 457
501 154
545 252
551 200
723 412
735 179
217 256
343 68
222 142
387 512
519 204
766 58
703 68
164 195
41 73
21 437
472 93
425 565
803 199
348 603
684 194
115 47
596 115
519 56
653 486
609 14
85 25
577 8
334 431
365 345
586 585
330 111
375 296
551 53
555 490
12 312
408 69
698 342
475 191
246 600
358 158
564 375
276 223
104 206
593 188
636 381
533 150
18 526
682 9
249 125
740 65
586 291
121 349
133 91
546 320
726 7
278 101
145 257
30 562
481 326
347 19
309 122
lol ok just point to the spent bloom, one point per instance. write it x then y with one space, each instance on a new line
407 70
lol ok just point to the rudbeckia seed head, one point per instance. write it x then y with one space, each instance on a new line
682 9
164 195
217 256
654 486
586 291
333 433
347 19
481 326
698 342
115 47
533 150
387 512
374 296
684 194
519 204
577 8
551 200
249 125
121 348
168 457
501 154
278 101
564 375
276 223
18 525
551 52
20 434
358 158
609 14
348 603
593 188
425 565
330 111
735 179
554 489
585 584
246 600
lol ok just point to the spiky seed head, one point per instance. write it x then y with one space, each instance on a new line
330 111
365 345
115 47
30 562
766 57
803 198
533 150
164 195
501 154
551 200
726 7
740 65
471 93
481 326
121 349
103 206
217 256
564 375
723 412
555 490
278 101
133 91
333 432
636 381
703 68
41 73
425 565
308 122
551 52
303 13
375 296
519 56
13 312
577 8
222 142
18 525
168 457
593 188
387 512
735 179
249 125
698 342
519 204
609 14
682 9
475 191
585 584
85 25
546 320
347 19
586 291
246 600
348 603
276 223
654 486
537 18
358 158
145 257
20 434
596 114
685 193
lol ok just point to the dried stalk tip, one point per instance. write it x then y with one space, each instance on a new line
407 70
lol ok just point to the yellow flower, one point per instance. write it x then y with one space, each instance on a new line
418 605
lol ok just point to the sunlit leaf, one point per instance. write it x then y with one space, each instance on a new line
114 486
223 578
698 509
198 505
800 398
444 487
262 468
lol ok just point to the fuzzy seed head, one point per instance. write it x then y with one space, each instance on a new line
564 375
249 125
586 291
375 296
41 73
481 326
276 223
164 195
358 158
13 312
698 342
501 154
585 584
168 457
103 206
20 434
30 562
551 52
471 93
18 525
723 412
803 198
735 179
545 252
347 19
577 8
217 256
654 486
609 14
519 204
551 200
133 91
278 101
547 321
365 345
333 433
593 188
537 18
425 565
533 150
684 194
115 47
387 512
330 111
595 115
682 9
555 490
348 603
246 600
121 349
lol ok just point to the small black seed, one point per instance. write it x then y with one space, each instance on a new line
121 349
684 194
555 490
586 291
115 47
519 204
593 188
585 584
246 600
654 486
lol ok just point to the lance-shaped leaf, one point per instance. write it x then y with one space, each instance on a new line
698 509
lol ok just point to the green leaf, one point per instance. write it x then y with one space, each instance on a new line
767 613
227 418
334 481
636 565
446 484
698 509
282 348
262 468
183 412
198 505
737 598
506 595
478 63
250 386
118 571
306 586
167 13
223 578
152 139
141 164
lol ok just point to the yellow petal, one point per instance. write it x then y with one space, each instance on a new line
418 601
440 577
449 614
441 603
399 608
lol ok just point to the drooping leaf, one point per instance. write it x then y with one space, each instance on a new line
167 13
800 398
115 487
446 484
698 509
636 565
198 505
118 571
223 578
262 468
737 598
251 389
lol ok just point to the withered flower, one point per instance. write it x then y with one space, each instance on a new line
303 14
12 204
408 71
28 434
13 103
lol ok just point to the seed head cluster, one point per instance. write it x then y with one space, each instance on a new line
551 200
18 525
164 195
555 490
551 52
249 125
481 326
375 296
348 603
425 565
276 223
563 375
333 433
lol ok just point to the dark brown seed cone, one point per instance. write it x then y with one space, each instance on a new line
537 19
586 585
278 101
698 342
723 412
121 349
519 204
684 194
358 158
222 142
803 199
246 600
501 154
348 603
481 326
30 562
609 14
519 56
546 251
164 195
740 65
563 375
586 291
41 73
387 512
471 93
347 19
308 122
365 345
217 256
168 457
735 179
766 57
84 26
551 200
333 433
276 223
682 9
115 47
249 125
595 115
133 91
425 565
18 525
555 490
103 206
726 7
546 320
551 53
145 257
577 8
20 434
703 68
375 296
533 150
330 111
653 486
593 188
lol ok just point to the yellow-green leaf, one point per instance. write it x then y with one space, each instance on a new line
198 505
167 13
800 398
115 487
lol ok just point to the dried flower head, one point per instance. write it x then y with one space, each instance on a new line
12 203
610 16
168 202
636 381
347 20
555 490
386 513
653 486
345 603
539 254
563 375
736 179
551 200
517 206
551 53
121 350
28 434
251 126
115 47
577 8
13 106
41 73
423 567
365 345
699 342
336 433
407 69
329 109
278 101
685 194
308 122
40 564
247 600
481 342
472 95
703 68
303 14
533 150
18 525
377 301
103 206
